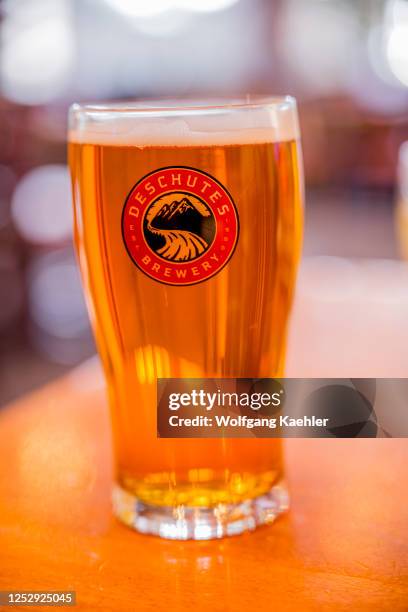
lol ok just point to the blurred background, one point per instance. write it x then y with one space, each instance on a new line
347 63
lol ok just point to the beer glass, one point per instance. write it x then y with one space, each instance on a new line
188 222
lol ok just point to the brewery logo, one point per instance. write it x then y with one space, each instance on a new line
180 225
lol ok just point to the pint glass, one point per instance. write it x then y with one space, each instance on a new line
188 222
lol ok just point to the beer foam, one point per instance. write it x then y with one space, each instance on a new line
273 121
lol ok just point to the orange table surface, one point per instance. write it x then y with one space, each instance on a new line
343 545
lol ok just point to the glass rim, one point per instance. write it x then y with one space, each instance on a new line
174 106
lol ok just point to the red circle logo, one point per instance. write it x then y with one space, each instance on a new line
180 225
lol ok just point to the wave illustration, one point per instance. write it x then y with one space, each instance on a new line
180 245
180 225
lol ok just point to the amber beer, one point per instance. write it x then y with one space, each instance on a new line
188 229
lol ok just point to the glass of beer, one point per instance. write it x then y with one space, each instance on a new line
188 224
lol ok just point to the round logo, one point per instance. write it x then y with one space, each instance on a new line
180 225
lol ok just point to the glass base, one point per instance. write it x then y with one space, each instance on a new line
199 523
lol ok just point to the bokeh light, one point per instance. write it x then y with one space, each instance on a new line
205 6
41 205
397 52
55 295
165 25
58 321
37 51
140 8
152 8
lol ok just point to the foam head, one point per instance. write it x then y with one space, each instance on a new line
148 124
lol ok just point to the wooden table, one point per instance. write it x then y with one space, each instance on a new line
343 546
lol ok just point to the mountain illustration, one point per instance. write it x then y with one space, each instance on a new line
179 231
181 215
